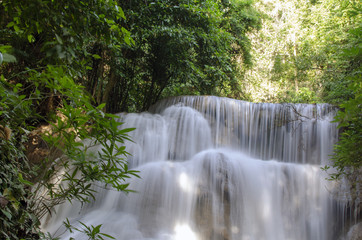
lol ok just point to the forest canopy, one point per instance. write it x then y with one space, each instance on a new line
131 55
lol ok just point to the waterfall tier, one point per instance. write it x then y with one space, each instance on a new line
219 169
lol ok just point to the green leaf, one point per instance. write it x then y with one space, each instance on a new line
22 180
96 229
31 38
7 214
106 235
8 58
101 106
10 24
16 28
126 130
120 11
58 39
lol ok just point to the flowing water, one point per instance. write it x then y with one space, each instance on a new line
219 169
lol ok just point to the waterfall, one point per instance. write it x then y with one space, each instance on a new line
220 169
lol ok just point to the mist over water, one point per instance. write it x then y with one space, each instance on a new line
220 169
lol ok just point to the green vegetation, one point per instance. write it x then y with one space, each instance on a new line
180 47
46 49
61 60
303 51
67 167
310 52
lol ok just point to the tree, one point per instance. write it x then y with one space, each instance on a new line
345 89
182 47
310 51
48 48
50 186
177 46
78 34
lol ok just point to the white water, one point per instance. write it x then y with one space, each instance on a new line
220 169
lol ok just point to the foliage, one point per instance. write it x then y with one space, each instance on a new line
47 48
51 49
16 218
92 232
53 31
75 121
310 52
177 46
347 153
181 47
281 67
347 92
347 156
41 32
300 52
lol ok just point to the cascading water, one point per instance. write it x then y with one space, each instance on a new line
219 169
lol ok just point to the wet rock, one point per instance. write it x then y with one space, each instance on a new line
212 213
355 232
